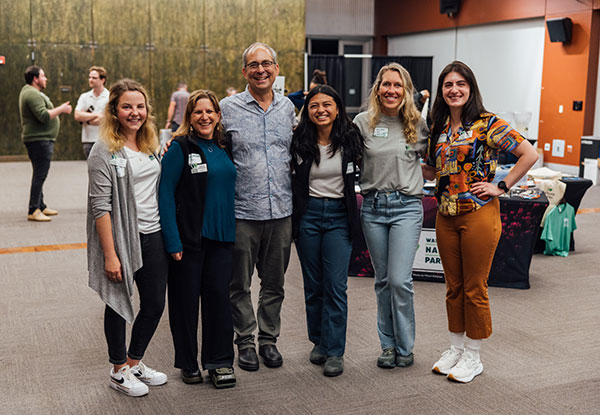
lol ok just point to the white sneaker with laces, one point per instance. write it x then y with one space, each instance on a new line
448 360
124 381
466 369
148 375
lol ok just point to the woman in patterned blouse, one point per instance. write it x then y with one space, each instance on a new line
463 154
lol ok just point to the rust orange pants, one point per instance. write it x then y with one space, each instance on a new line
467 244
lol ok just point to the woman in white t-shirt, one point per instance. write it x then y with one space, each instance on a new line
124 236
391 214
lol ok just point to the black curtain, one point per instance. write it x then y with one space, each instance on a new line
419 69
333 65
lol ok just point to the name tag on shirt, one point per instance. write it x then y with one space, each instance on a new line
443 138
119 164
380 132
350 168
194 158
200 168
118 161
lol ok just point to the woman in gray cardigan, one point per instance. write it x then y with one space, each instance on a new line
124 237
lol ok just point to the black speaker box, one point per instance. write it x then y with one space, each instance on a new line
449 7
560 29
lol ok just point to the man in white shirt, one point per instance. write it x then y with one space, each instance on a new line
90 108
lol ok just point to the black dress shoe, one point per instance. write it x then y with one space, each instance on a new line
247 359
270 355
191 376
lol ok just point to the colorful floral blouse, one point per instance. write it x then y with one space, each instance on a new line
468 156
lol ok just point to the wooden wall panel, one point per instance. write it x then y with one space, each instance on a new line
231 24
567 6
118 23
168 67
278 23
157 42
177 23
15 22
11 82
52 22
224 69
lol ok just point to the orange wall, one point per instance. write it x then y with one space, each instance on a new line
569 71
569 74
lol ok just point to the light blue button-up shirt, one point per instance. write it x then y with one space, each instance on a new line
261 153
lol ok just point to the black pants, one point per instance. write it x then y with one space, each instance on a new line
205 274
151 281
40 154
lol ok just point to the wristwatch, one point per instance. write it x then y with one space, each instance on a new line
502 185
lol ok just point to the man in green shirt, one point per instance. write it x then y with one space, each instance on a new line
40 125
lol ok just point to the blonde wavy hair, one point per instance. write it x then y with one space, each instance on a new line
409 115
147 136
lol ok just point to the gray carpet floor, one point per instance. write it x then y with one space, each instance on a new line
543 357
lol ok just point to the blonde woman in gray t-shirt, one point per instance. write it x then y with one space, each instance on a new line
391 214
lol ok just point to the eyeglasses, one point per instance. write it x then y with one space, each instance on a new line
264 64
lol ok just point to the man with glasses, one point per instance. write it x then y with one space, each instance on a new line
90 108
259 123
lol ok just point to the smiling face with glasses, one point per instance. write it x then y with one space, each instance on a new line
260 71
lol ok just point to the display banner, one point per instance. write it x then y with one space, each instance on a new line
428 264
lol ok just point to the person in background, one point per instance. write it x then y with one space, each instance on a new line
463 153
40 125
177 106
319 77
124 241
392 213
196 201
90 108
326 148
260 124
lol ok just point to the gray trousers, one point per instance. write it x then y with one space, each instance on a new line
266 245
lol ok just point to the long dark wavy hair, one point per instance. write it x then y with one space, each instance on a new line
345 135
440 110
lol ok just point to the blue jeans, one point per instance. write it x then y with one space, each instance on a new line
324 246
391 223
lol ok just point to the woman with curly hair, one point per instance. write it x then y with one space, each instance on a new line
125 244
391 215
326 147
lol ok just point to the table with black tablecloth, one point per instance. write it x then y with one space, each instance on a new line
521 220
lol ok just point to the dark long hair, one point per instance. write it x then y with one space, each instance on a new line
345 135
440 110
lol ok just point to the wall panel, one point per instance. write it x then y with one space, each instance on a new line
157 42
231 24
118 23
177 23
52 22
15 22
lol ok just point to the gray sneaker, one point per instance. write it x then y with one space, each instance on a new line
334 366
404 361
316 357
387 358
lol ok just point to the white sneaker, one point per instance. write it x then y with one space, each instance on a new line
148 375
466 369
448 360
124 381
